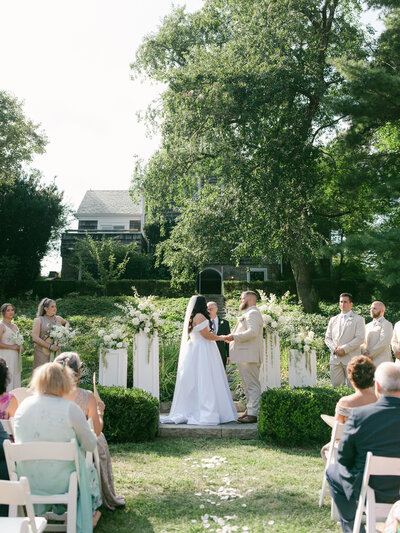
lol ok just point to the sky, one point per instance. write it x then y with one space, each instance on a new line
68 61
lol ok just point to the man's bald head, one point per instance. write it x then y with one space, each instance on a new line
377 309
387 379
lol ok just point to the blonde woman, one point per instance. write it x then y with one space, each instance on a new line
9 350
93 409
46 318
45 417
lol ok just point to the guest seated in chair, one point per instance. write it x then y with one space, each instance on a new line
47 416
360 372
370 428
93 409
8 402
3 466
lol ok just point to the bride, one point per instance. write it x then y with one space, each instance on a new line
202 395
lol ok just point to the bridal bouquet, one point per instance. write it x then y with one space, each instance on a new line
114 338
17 338
62 335
272 312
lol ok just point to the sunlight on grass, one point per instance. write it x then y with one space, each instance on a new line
217 485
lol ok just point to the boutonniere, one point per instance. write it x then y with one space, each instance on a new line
242 318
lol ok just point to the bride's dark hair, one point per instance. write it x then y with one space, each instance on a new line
200 306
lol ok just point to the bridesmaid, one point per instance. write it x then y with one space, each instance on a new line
45 319
9 351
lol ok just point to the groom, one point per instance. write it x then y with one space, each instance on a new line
246 349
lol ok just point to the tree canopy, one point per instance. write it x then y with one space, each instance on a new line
250 105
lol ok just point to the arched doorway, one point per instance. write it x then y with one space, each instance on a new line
210 281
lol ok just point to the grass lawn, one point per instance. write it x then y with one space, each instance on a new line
262 488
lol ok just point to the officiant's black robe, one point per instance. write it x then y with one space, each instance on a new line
223 347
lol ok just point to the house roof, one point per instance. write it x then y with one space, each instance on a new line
106 203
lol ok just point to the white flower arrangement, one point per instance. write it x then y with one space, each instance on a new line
114 338
17 338
62 335
304 341
143 317
272 312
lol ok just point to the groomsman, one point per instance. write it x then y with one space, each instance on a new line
396 342
378 335
221 327
344 335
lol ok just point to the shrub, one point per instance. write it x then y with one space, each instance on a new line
131 415
61 287
291 417
231 288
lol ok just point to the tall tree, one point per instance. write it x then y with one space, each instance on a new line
373 106
32 213
20 139
249 103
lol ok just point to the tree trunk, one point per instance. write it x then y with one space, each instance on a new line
305 291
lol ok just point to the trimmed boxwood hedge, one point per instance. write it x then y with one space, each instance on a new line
131 415
291 417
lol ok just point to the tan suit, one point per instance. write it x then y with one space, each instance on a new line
396 340
378 335
247 350
349 335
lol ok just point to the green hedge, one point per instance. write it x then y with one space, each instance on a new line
291 417
146 287
327 289
131 415
60 288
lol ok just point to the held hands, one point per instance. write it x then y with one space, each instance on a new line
397 355
227 338
54 347
100 407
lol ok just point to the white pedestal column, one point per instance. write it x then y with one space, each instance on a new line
270 369
146 363
302 368
113 367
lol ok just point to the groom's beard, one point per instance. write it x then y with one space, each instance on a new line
243 306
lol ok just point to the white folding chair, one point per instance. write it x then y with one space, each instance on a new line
8 425
374 466
93 457
337 433
48 451
18 493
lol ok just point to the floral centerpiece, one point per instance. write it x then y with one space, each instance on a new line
141 316
115 337
272 312
304 341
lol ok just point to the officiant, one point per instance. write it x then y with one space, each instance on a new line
221 327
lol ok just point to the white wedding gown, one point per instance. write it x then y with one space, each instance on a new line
202 395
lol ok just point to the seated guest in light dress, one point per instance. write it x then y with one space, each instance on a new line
47 416
8 402
360 372
93 409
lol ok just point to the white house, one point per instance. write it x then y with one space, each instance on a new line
105 214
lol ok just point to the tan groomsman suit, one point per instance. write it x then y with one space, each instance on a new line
348 331
378 335
247 350
396 340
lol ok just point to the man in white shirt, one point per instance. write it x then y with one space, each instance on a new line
378 335
344 335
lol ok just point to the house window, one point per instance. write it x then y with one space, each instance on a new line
106 227
87 224
134 224
257 274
